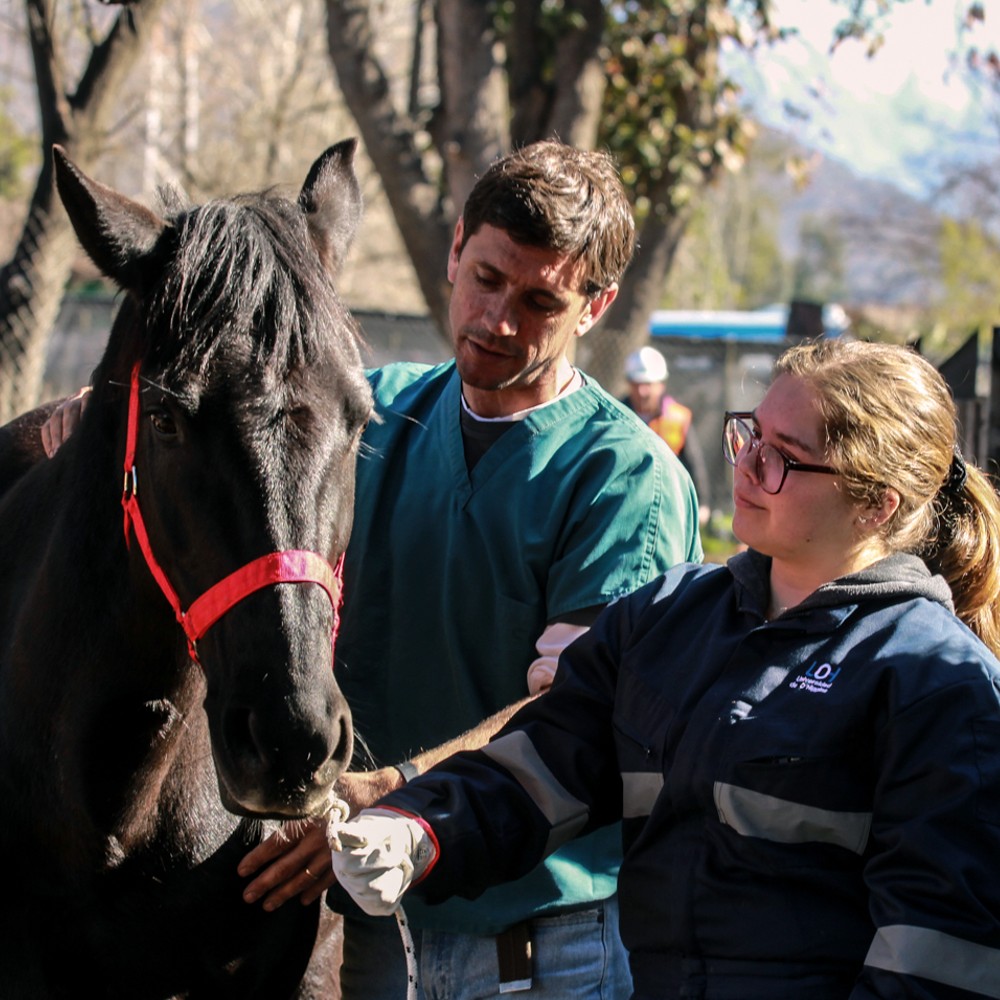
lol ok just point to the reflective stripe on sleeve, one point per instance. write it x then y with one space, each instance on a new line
666 589
639 791
939 957
754 814
565 813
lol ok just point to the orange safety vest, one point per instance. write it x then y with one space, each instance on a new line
672 424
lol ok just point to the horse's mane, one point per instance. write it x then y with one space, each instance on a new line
244 269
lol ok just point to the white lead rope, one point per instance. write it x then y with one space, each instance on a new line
337 814
411 955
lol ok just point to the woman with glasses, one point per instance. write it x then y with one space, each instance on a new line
804 744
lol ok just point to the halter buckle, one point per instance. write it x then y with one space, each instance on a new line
130 484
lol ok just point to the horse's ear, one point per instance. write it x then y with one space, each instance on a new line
331 200
117 233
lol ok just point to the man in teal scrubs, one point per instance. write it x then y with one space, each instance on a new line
503 499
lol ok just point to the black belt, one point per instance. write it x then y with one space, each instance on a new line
514 958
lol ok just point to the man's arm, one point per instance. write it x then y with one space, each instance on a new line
361 789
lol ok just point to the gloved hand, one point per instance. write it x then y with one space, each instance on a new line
377 855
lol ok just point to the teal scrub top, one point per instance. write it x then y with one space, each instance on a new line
451 577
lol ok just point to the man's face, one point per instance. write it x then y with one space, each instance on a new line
645 397
514 312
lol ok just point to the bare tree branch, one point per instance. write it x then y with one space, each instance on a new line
31 283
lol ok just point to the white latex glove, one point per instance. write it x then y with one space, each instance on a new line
377 855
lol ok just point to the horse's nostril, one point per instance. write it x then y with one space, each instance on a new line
342 751
265 752
345 745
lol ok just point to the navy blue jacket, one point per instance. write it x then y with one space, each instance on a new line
811 805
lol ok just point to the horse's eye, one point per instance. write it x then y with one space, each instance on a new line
163 423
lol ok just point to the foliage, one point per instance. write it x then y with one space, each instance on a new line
970 265
666 110
641 77
18 153
763 279
818 274
718 540
668 113
701 277
729 257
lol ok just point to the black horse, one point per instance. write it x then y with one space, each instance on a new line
151 717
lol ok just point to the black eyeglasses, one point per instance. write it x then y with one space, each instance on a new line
739 437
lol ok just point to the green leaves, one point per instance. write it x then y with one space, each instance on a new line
670 116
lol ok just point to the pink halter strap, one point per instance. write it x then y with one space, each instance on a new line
289 566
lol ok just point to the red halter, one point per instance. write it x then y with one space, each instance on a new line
290 566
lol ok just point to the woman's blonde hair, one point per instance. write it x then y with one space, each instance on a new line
891 422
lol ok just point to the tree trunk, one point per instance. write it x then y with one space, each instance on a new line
626 325
31 288
32 282
426 188
580 77
566 103
427 169
473 95
603 351
407 172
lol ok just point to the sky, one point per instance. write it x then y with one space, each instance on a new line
895 116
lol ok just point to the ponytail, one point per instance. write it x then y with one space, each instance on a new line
966 551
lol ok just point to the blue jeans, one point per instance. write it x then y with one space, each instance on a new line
575 956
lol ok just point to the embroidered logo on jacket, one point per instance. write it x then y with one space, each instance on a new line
818 678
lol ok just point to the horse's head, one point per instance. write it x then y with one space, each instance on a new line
250 404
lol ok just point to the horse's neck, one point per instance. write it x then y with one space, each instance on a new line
21 445
157 768
137 786
93 662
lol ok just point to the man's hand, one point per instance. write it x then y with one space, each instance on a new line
63 421
297 861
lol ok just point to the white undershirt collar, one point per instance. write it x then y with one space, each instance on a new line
576 382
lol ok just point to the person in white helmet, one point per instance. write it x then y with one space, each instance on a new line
646 373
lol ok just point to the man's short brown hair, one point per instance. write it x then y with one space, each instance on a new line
552 195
